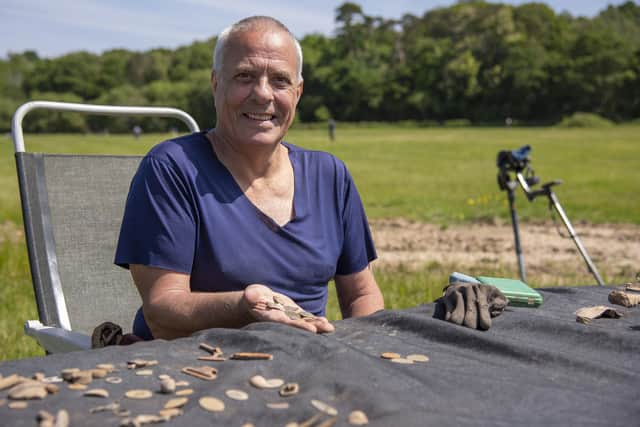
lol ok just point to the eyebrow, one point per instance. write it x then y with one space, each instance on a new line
243 69
246 68
284 74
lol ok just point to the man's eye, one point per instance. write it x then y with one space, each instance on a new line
282 81
243 76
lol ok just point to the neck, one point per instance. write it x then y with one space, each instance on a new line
248 162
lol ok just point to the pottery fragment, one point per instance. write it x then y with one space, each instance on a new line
358 418
236 394
178 402
138 394
289 389
259 381
97 392
211 404
324 407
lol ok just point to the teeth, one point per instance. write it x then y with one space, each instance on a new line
257 116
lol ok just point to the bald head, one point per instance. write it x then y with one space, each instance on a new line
251 24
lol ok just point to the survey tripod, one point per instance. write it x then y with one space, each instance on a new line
516 162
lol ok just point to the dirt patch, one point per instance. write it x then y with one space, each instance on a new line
549 258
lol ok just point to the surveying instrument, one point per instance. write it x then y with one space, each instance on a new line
514 169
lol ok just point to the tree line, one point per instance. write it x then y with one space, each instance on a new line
473 61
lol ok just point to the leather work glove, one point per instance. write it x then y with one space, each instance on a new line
470 304
109 333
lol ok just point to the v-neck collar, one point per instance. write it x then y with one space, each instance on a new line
297 182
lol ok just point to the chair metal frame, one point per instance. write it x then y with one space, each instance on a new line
54 331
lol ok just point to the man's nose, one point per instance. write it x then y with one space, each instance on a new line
262 90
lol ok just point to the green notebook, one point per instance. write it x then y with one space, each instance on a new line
518 292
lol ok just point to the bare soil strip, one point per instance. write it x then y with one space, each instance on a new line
549 258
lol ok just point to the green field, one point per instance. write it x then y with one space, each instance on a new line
440 175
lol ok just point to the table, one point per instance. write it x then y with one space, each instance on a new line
535 366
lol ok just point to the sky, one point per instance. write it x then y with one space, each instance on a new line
55 27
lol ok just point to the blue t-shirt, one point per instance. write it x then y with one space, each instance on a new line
186 213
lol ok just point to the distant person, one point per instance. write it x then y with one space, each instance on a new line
332 129
508 121
137 131
231 225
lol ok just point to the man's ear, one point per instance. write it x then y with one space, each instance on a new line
299 90
214 82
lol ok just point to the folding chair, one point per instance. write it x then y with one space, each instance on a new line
72 206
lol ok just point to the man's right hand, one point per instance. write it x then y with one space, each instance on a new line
256 297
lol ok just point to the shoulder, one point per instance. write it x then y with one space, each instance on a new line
316 159
179 150
178 158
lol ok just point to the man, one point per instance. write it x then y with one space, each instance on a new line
223 225
332 128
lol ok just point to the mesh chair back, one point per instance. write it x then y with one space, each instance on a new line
72 208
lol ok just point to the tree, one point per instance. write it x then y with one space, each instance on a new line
121 95
601 67
200 98
113 69
475 59
75 73
197 56
55 121
8 106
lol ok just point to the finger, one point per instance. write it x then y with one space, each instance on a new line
253 303
440 309
484 317
257 295
277 316
457 314
496 300
301 324
449 300
322 325
471 312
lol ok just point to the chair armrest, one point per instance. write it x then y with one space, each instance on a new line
56 340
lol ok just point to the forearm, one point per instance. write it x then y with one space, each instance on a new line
179 313
359 294
363 305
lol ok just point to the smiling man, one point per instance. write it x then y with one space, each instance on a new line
234 225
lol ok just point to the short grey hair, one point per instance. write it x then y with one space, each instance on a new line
248 24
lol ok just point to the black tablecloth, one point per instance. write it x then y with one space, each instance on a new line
533 367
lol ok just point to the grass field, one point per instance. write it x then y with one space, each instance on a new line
440 175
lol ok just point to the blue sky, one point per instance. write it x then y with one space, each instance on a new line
56 27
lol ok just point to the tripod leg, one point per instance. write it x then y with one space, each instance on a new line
516 235
592 268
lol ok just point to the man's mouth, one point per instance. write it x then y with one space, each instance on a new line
261 117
